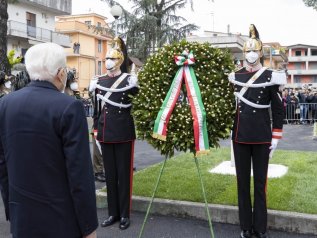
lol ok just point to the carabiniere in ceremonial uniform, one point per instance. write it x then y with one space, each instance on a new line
257 89
116 135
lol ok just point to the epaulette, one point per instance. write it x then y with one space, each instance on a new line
278 77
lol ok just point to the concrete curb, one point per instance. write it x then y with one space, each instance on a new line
278 220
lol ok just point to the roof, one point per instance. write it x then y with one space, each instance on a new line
301 46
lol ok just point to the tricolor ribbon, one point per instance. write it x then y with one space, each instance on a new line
187 73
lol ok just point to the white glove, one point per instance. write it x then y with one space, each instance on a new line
231 77
93 84
133 81
273 146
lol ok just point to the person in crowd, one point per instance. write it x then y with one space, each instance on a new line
312 99
256 89
5 84
292 109
46 176
116 133
72 88
96 149
302 99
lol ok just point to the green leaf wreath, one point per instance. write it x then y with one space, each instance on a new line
211 67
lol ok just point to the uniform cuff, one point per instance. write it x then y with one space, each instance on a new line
277 133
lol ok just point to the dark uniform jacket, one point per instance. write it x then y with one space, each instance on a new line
114 124
46 174
253 125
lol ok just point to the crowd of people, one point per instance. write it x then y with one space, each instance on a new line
300 105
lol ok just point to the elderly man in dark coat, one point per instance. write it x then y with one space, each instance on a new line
46 176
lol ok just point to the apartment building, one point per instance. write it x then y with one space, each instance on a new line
33 21
274 55
89 42
302 66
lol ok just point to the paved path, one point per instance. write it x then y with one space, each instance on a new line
296 137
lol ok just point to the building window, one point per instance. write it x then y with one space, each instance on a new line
31 24
296 79
305 52
313 52
314 79
98 24
99 46
312 65
99 68
298 53
297 65
88 23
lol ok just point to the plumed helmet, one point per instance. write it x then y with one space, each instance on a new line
119 52
253 43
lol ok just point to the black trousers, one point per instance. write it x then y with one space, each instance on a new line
118 163
259 155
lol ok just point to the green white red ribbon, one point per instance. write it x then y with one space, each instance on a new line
187 73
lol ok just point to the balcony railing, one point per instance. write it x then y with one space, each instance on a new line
302 58
20 29
302 71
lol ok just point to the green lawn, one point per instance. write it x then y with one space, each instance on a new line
296 191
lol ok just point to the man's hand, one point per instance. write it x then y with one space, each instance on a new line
92 235
273 146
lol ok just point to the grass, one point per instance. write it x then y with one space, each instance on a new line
296 191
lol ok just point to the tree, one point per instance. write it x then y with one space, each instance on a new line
4 63
311 3
151 24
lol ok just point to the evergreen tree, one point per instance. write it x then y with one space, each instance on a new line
311 3
4 62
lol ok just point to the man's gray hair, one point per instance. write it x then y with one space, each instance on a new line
43 61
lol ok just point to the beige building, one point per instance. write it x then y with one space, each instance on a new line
89 44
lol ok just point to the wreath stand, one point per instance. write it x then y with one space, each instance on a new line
155 190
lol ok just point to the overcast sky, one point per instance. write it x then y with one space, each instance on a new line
285 21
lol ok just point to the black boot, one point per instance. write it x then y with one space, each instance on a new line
124 223
110 221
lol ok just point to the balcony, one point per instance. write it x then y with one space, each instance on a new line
36 34
59 7
302 72
276 54
302 58
232 42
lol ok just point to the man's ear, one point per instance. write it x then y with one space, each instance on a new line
60 74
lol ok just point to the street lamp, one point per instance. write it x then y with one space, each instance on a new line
116 12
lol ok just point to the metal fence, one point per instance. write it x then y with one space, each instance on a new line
300 113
